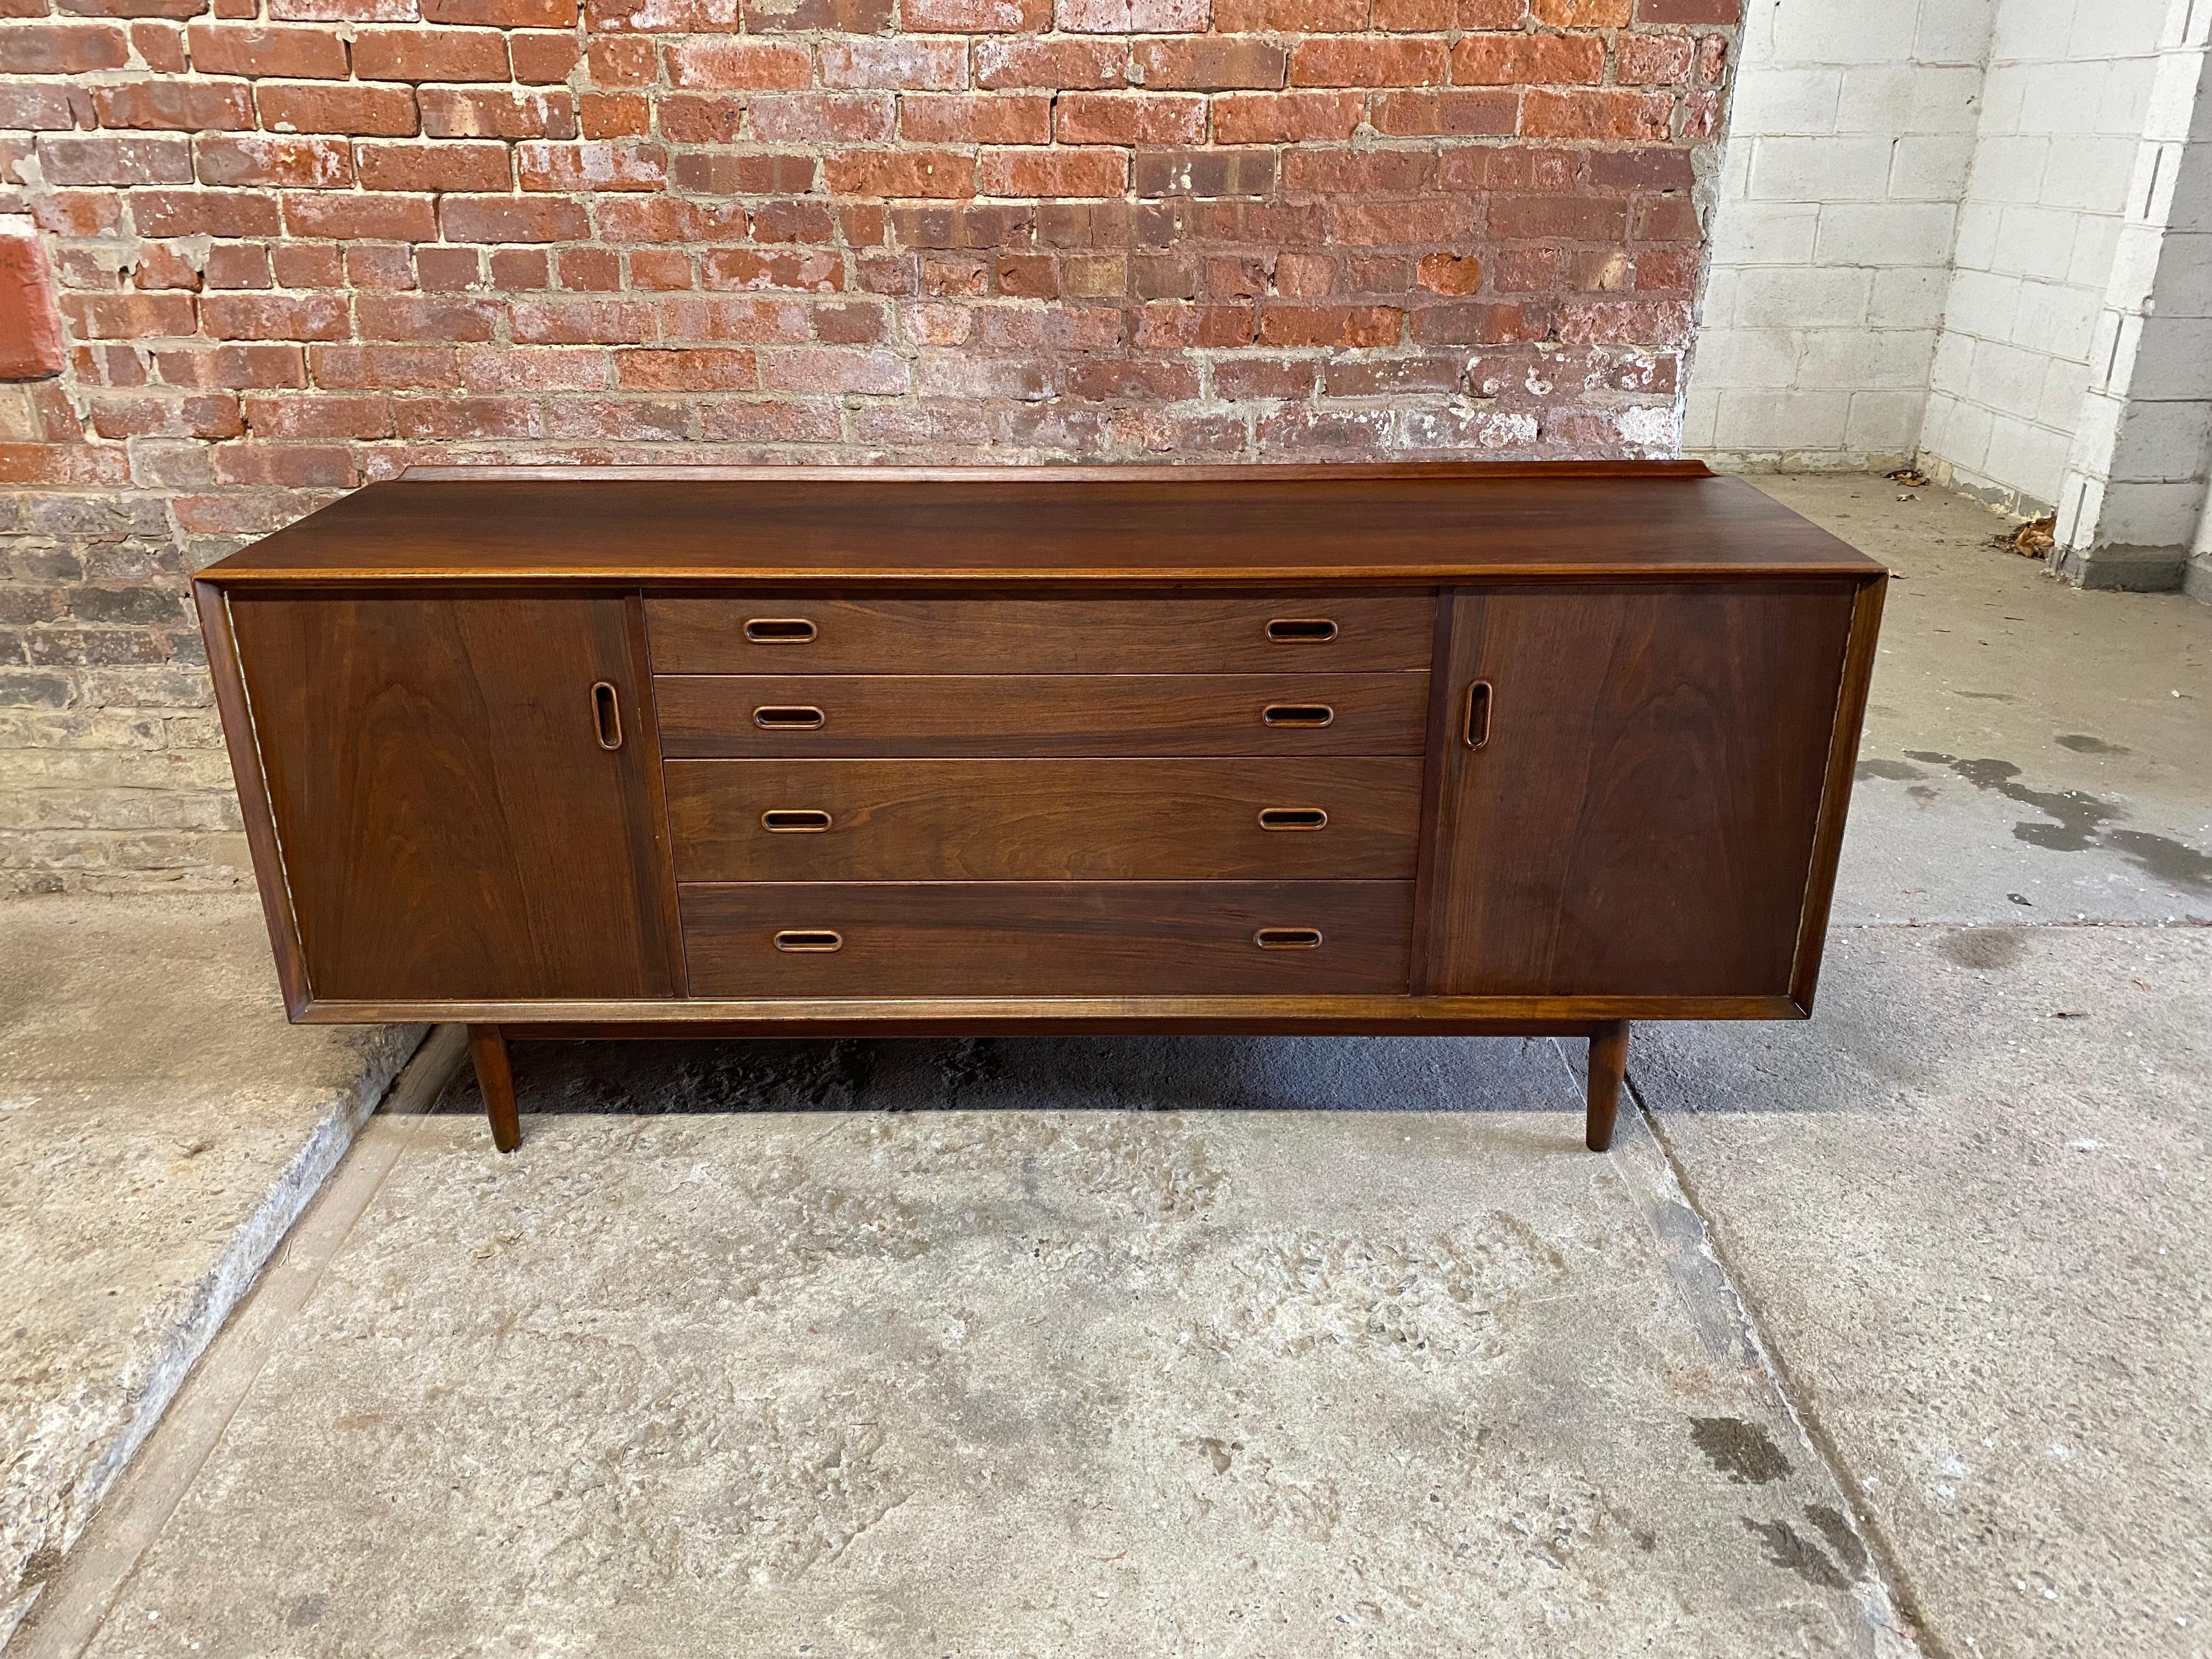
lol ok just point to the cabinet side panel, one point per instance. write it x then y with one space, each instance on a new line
451 824
1640 818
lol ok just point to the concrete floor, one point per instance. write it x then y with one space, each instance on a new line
161 1127
1879 1335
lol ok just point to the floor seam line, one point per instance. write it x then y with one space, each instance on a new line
1796 1400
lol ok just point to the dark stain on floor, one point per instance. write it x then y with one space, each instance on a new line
1983 948
2082 744
1896 771
1837 1530
1742 1451
1799 1555
2079 820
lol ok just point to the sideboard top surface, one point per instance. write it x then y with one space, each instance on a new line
1384 524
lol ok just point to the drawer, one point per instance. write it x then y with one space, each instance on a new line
779 633
869 715
1002 820
1018 938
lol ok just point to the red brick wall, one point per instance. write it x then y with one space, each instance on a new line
303 243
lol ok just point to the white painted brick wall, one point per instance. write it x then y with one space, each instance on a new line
2065 92
1851 140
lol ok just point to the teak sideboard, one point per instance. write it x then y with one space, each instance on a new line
1442 749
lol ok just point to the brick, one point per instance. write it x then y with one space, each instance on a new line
875 374
464 418
289 416
690 118
1131 17
1688 11
99 159
483 112
1559 217
1524 167
375 111
1274 118
448 269
1605 114
353 215
1627 322
1214 63
1289 16
1205 172
1052 64
1509 60
378 265
921 172
1366 62
842 17
747 421
967 118
1431 219
976 16
393 367
543 59
61 48
1450 273
794 221
518 269
1664 219
1330 325
1243 379
30 328
1396 377
238 264
924 65
307 264
430 54
1479 324
275 317
503 14
671 218
204 213
176 105
814 270
447 165
622 61
823 117
726 318
293 163
293 54
700 369
585 322
1651 60
738 64
511 219
27 107
1129 117
1667 168
297 466
1581 13
663 16
1055 173
591 167
1359 172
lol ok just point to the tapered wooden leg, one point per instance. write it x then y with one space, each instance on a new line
495 1077
1608 1064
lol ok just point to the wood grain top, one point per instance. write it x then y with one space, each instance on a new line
1381 525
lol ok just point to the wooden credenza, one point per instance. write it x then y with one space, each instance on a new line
1440 749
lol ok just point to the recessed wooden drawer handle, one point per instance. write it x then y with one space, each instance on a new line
779 630
1297 713
809 939
1478 714
1302 630
1293 818
797 718
1288 938
795 821
606 714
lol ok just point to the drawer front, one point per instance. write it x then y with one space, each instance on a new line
1003 820
868 715
834 939
787 634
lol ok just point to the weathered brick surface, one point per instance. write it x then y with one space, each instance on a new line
295 245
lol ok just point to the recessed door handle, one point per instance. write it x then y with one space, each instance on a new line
779 630
1288 938
1478 714
606 714
794 820
1302 630
1297 713
810 939
1293 818
799 717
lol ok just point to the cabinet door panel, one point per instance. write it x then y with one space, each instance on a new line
451 823
1639 819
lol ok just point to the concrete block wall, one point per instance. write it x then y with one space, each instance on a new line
2065 96
1851 137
